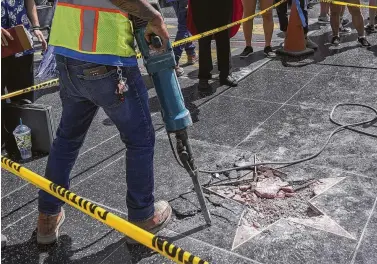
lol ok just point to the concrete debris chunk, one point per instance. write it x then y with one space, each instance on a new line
268 188
288 189
241 163
244 187
267 197
280 194
238 198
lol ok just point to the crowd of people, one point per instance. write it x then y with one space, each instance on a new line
94 68
225 13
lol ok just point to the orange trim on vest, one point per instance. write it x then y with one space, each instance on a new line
81 28
94 8
95 30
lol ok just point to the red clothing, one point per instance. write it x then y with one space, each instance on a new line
237 15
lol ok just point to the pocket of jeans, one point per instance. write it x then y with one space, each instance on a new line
102 88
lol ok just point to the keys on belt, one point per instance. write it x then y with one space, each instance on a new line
122 85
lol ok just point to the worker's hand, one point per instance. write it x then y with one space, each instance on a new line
5 35
158 27
41 38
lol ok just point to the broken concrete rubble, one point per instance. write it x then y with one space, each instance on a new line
244 188
268 196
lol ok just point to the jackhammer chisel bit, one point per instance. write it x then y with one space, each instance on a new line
186 157
160 66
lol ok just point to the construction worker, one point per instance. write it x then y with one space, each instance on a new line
93 43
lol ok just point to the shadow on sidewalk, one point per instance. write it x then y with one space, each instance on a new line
32 253
325 50
61 252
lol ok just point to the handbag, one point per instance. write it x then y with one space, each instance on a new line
37 117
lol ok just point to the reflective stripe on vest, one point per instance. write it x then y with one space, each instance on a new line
92 27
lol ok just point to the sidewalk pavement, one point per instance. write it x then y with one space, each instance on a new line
279 111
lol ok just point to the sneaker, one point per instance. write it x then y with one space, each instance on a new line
160 219
324 19
269 52
205 89
335 40
370 29
363 42
310 44
228 81
48 227
192 59
204 85
345 30
246 52
311 4
179 71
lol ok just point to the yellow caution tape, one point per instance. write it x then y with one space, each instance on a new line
216 30
40 86
174 44
189 39
155 243
347 4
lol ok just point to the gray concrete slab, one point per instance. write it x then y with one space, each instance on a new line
287 242
279 111
365 251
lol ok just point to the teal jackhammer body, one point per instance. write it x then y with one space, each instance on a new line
160 66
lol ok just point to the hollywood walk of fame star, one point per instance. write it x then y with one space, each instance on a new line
245 232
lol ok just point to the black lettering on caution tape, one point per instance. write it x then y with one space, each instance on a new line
180 255
173 253
85 204
102 215
9 163
81 202
172 250
40 86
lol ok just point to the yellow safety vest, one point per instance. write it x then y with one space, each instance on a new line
92 27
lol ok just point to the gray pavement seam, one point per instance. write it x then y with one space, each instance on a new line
325 74
219 248
112 252
81 154
18 220
363 233
273 102
256 129
74 185
349 172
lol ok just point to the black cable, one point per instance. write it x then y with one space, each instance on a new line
173 149
292 162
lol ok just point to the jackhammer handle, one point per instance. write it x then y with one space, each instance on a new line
156 41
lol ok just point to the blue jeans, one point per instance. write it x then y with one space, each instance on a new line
81 98
181 13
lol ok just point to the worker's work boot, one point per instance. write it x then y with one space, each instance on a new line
160 219
48 227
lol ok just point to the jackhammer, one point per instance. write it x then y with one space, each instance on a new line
160 66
